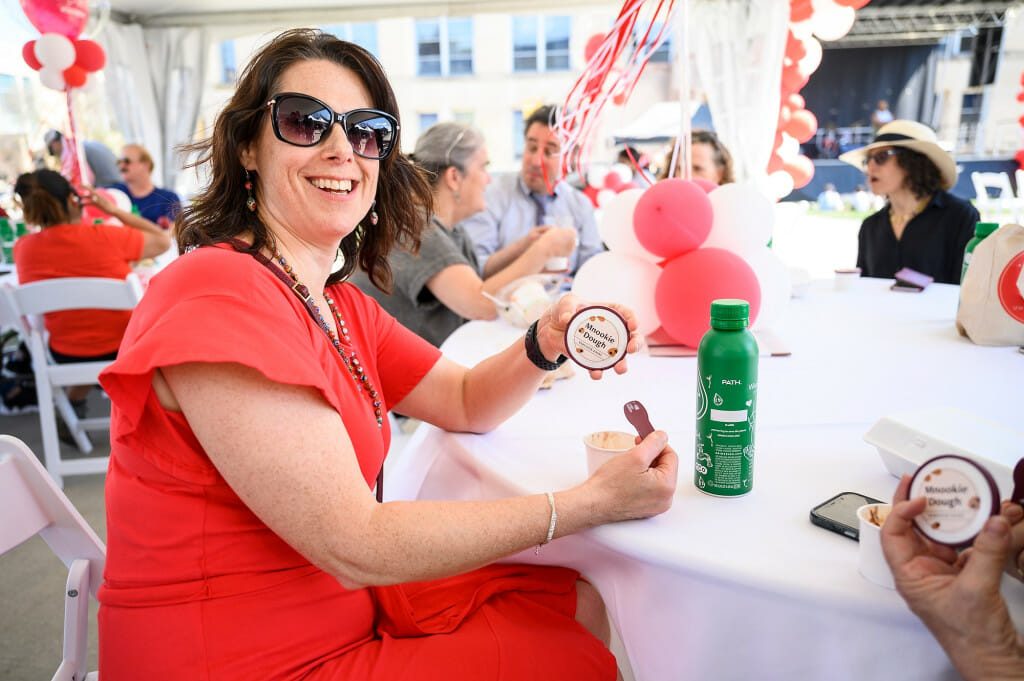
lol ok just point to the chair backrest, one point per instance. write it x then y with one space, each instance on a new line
31 504
985 181
78 293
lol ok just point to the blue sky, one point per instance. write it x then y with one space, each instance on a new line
17 31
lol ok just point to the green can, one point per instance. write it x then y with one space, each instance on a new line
726 402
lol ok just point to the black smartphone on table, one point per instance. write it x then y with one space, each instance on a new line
839 513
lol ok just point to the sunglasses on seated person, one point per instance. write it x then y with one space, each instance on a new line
305 121
880 157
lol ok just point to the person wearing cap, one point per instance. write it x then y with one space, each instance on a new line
153 203
922 226
101 160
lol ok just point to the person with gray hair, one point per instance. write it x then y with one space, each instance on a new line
440 288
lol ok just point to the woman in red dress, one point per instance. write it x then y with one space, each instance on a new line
249 425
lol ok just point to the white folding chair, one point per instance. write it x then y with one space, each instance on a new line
30 302
1003 204
31 504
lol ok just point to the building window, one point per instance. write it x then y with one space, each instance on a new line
228 63
444 46
540 44
363 34
663 53
518 137
427 120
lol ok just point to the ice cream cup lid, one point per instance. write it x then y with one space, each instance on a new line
596 337
961 495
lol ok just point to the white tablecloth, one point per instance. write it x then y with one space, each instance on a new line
745 588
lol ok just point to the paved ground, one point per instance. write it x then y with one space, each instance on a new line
32 578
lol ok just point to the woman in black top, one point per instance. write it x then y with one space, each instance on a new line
922 226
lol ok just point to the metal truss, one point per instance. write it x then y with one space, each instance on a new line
920 23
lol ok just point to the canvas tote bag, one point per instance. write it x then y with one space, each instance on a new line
992 293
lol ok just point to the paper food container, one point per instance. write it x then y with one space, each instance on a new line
907 439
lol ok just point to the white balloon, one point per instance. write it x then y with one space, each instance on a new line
52 78
616 278
812 60
743 218
831 21
623 171
789 149
779 185
55 51
604 197
595 175
776 287
616 226
122 200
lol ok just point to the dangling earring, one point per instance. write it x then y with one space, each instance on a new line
250 202
456 196
373 213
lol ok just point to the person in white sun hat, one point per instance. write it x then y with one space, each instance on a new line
922 226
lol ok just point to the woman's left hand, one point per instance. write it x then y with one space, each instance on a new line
552 324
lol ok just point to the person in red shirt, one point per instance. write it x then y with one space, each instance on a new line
249 423
65 246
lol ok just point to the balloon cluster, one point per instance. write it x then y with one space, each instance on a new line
63 61
679 244
810 21
603 183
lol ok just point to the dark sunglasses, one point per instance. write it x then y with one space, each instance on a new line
305 121
880 157
124 161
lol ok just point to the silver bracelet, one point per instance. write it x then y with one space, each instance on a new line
551 527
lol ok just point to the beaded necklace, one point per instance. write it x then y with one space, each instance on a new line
355 369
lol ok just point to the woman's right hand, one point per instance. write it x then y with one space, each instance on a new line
557 242
638 483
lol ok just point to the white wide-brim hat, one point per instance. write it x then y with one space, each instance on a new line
911 135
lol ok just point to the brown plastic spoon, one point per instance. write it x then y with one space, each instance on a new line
637 415
1018 483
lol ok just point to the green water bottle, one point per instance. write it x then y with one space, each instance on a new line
726 402
981 230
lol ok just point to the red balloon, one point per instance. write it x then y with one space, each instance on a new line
792 79
612 181
802 125
66 17
856 4
74 76
800 10
28 53
801 169
1019 157
591 192
784 115
1021 120
594 43
672 217
705 184
1020 96
688 284
89 55
627 185
775 162
795 48
796 102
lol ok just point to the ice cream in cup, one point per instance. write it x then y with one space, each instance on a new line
872 563
604 444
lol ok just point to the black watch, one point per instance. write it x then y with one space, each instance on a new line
534 353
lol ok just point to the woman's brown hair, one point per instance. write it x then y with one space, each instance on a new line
219 212
923 177
44 197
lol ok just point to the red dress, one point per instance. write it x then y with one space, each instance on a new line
197 587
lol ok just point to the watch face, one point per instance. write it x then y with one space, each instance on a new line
596 337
